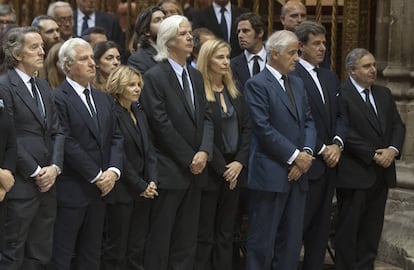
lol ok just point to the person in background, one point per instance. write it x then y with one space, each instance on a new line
374 139
282 147
174 102
31 203
107 58
200 35
53 73
129 204
227 169
7 16
63 14
94 35
49 30
170 7
146 30
292 14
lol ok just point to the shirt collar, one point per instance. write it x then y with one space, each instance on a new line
308 66
217 7
81 15
76 86
261 54
178 69
274 72
26 78
358 87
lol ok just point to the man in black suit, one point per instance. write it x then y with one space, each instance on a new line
374 139
250 32
321 86
220 18
93 159
174 102
31 203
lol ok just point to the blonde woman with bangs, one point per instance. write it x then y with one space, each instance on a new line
231 122
128 205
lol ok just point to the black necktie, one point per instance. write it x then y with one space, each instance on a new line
289 90
324 91
92 110
85 23
256 66
187 91
37 98
368 101
223 25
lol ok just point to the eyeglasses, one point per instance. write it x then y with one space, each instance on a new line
62 20
6 22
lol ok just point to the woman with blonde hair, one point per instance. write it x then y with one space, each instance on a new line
231 150
129 203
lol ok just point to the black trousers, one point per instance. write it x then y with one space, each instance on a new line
28 232
172 239
216 226
317 220
126 229
360 222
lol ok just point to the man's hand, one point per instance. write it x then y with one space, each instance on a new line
294 173
199 162
2 194
6 179
385 156
46 178
151 191
106 182
304 161
331 155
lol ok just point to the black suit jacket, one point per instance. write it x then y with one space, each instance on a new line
240 69
87 150
178 135
143 59
217 166
356 168
327 124
207 18
39 142
139 166
8 147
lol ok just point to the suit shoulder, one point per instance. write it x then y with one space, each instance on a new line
237 59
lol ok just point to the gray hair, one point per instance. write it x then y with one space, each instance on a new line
353 56
6 10
168 30
54 5
279 41
67 52
14 42
309 27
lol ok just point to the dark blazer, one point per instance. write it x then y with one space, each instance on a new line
8 147
178 135
276 131
217 166
138 153
207 18
240 69
356 168
39 142
143 59
87 150
328 125
105 20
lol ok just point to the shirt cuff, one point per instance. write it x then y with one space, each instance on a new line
395 148
36 172
293 157
322 149
116 171
338 139
97 177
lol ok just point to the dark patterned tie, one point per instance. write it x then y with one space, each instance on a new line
92 110
223 25
256 66
187 91
36 97
85 23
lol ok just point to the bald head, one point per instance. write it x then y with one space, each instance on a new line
293 13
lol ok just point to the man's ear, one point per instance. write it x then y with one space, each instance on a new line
17 55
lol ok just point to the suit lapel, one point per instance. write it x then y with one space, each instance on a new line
21 90
214 23
379 101
80 107
127 122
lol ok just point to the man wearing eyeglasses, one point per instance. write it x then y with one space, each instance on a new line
7 16
63 14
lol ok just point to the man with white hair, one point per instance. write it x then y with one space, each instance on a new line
174 102
282 147
92 160
63 14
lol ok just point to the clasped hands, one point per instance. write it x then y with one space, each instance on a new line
6 182
46 178
150 192
300 166
199 162
385 156
106 182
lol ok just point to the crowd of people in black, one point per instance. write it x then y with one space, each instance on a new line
146 155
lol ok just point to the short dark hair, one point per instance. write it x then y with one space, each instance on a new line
142 25
309 27
197 33
255 20
101 47
14 41
36 21
86 35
